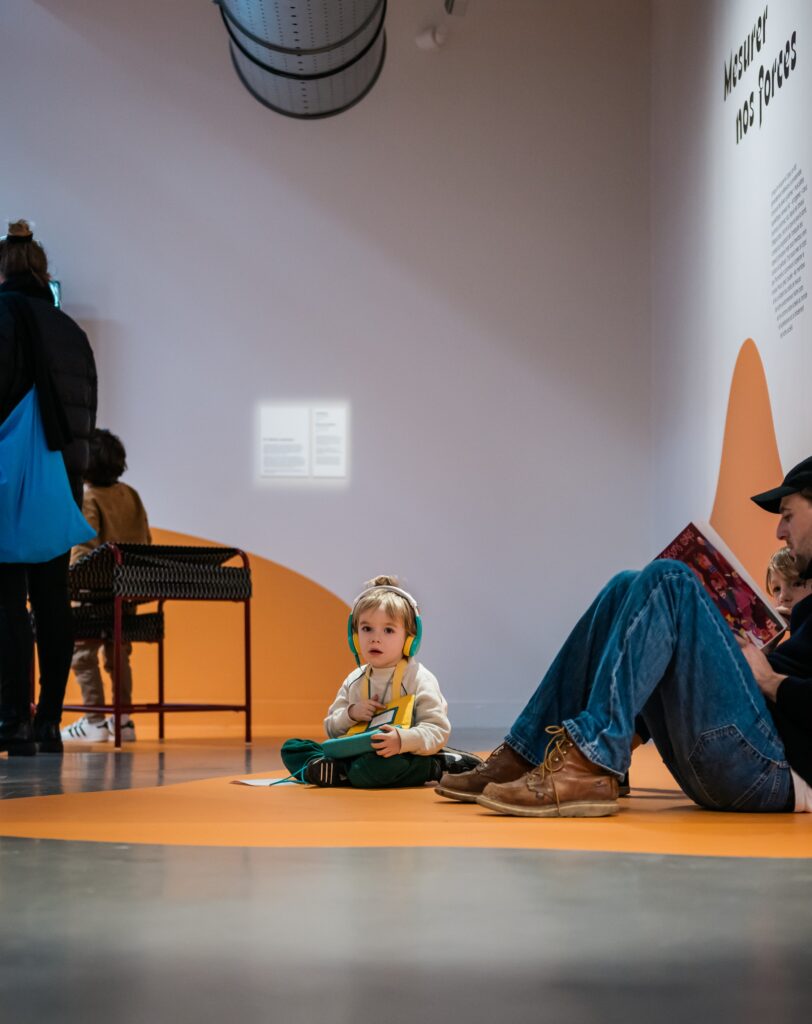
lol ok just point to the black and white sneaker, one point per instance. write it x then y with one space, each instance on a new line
127 729
455 762
324 771
85 731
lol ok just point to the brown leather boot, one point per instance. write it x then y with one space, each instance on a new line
503 765
565 785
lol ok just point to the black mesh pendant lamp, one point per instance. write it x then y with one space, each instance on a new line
306 58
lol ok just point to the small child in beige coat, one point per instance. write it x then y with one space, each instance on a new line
116 512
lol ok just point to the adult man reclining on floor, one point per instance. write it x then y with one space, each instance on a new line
733 725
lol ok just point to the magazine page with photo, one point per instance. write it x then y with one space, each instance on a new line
744 606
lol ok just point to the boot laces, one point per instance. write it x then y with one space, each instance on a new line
553 760
556 750
484 765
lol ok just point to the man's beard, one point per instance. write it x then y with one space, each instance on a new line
803 564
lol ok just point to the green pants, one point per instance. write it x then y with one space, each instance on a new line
367 771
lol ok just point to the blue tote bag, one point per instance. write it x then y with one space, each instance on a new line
38 517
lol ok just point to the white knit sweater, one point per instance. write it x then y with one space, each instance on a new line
430 726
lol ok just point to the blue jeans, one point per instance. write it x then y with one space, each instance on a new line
653 644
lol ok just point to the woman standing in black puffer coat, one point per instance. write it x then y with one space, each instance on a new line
69 359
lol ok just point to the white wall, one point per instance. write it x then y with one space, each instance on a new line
463 257
711 240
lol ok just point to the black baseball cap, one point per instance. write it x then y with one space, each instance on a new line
799 476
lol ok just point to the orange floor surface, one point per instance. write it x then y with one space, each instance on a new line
656 819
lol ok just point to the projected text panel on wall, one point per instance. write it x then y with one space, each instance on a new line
304 441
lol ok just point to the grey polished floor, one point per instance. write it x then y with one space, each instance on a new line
151 934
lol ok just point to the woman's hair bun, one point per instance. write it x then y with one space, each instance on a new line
19 229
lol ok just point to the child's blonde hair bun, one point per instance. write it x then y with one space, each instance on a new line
382 581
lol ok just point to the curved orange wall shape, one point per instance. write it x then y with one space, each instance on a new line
750 463
299 655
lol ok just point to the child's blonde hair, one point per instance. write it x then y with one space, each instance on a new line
395 606
783 563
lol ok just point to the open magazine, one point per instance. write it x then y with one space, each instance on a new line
744 606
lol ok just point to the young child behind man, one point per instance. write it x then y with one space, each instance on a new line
384 630
784 583
116 512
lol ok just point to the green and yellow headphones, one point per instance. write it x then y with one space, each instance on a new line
412 643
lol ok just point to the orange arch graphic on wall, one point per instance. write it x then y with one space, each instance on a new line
750 463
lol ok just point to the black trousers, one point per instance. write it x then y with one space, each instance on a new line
46 583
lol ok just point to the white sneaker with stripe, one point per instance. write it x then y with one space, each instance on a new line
85 731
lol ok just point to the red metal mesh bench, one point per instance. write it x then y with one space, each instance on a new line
114 579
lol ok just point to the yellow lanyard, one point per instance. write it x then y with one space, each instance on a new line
396 680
